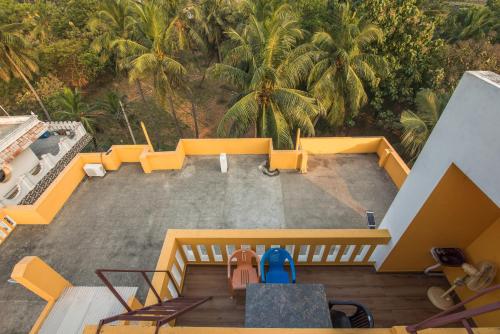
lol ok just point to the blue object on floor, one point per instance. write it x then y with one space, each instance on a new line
46 134
276 272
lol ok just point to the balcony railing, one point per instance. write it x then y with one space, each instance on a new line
213 247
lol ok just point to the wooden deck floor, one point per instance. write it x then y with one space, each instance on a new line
394 299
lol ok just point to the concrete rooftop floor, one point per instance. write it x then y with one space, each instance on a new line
120 221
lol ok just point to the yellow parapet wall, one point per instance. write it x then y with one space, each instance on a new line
226 145
55 196
38 277
151 161
389 159
334 145
137 329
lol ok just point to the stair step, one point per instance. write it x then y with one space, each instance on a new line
163 312
81 306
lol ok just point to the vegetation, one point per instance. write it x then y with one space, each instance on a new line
266 66
344 65
417 126
243 68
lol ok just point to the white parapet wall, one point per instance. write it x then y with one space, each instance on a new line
26 176
467 135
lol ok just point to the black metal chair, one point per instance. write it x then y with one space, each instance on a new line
361 318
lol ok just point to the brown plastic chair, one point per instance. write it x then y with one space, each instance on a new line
244 273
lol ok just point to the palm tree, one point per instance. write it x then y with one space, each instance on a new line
418 125
75 109
474 22
214 22
152 56
110 105
114 20
266 66
344 65
114 104
17 58
40 20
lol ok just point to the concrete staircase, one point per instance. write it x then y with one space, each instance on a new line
83 305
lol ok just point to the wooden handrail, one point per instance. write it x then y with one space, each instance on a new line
454 313
104 279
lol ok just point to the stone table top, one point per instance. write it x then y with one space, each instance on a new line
286 306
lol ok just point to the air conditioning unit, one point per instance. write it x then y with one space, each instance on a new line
94 170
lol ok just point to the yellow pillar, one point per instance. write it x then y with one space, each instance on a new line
38 277
147 136
303 162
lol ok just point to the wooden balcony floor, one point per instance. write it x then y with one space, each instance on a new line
394 299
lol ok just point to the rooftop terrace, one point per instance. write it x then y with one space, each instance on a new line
121 220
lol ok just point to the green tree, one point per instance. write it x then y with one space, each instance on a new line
409 47
473 22
215 20
72 107
417 126
114 105
456 58
266 66
153 56
114 20
40 20
344 65
17 58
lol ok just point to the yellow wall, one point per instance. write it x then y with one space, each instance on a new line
59 191
486 247
454 215
53 198
223 145
137 329
151 161
333 145
390 160
56 195
40 278
284 159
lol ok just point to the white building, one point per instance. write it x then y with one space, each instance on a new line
30 150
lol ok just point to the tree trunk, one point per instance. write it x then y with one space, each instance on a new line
174 114
195 120
139 88
217 43
30 87
128 124
205 72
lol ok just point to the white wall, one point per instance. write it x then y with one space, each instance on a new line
467 134
21 165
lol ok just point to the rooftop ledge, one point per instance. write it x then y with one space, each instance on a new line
52 200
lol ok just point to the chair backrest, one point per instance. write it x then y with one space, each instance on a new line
362 317
276 258
243 256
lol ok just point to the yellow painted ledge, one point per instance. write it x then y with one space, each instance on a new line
55 196
224 330
38 277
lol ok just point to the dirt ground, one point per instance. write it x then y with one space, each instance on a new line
211 99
